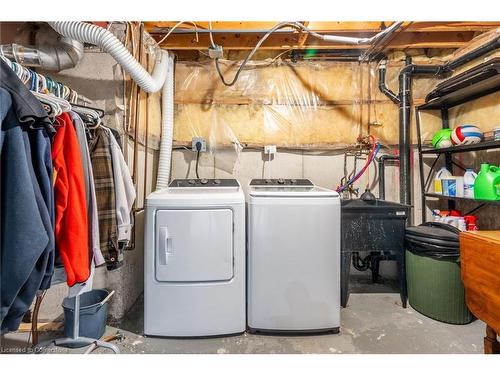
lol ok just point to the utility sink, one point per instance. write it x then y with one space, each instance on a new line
377 228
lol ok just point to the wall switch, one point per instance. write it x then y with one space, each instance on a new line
270 149
195 146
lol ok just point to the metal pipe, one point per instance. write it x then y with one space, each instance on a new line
55 57
381 173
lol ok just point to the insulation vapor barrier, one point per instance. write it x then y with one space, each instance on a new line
307 104
288 105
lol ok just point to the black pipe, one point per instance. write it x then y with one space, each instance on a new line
474 54
404 101
383 87
404 133
381 173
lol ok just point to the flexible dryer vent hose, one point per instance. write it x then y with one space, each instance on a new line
162 76
167 126
96 35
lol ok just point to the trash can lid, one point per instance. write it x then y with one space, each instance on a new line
432 241
435 240
445 233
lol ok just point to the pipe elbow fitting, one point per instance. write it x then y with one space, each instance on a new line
64 55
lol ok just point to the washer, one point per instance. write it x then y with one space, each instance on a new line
293 257
194 271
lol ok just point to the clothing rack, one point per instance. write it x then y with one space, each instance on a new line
39 83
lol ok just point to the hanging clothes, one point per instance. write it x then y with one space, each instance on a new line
124 191
93 218
71 223
27 240
102 164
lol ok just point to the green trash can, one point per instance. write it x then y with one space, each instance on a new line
435 287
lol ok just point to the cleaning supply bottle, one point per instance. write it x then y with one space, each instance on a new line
469 179
471 221
487 184
438 185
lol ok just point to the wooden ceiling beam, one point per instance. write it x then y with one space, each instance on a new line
233 41
321 26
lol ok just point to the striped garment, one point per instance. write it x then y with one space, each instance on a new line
102 165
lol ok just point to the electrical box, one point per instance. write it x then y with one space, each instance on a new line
270 149
197 140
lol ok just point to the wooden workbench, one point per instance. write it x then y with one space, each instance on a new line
480 265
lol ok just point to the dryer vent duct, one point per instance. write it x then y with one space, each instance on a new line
65 54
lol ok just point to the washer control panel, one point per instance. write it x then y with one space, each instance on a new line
281 182
204 182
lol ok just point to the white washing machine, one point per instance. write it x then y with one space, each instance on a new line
293 257
194 271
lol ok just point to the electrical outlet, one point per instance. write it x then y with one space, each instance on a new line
201 140
270 149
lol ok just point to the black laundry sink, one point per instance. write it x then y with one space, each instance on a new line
375 225
376 229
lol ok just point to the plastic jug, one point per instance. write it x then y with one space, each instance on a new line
438 185
453 186
469 179
487 184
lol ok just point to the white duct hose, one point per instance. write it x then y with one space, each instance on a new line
167 126
96 35
162 76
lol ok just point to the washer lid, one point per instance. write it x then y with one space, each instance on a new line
291 191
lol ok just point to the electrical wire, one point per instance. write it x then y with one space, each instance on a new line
175 27
280 25
197 162
210 34
300 27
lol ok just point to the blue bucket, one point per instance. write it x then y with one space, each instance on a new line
93 314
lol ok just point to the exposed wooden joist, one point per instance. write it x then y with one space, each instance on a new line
322 26
292 40
239 35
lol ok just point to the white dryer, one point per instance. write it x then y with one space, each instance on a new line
194 271
293 257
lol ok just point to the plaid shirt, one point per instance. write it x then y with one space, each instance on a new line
102 165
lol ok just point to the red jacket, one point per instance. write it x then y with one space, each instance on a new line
71 227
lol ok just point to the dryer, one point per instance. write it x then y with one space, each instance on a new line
194 271
293 273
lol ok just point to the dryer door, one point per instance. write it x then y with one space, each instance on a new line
194 245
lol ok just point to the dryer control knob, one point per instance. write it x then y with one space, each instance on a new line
191 182
204 181
268 181
293 181
217 182
281 181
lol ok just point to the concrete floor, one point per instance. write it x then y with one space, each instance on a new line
372 323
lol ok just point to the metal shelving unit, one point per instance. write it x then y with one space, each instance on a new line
475 83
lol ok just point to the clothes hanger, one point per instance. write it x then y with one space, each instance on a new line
90 116
99 111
